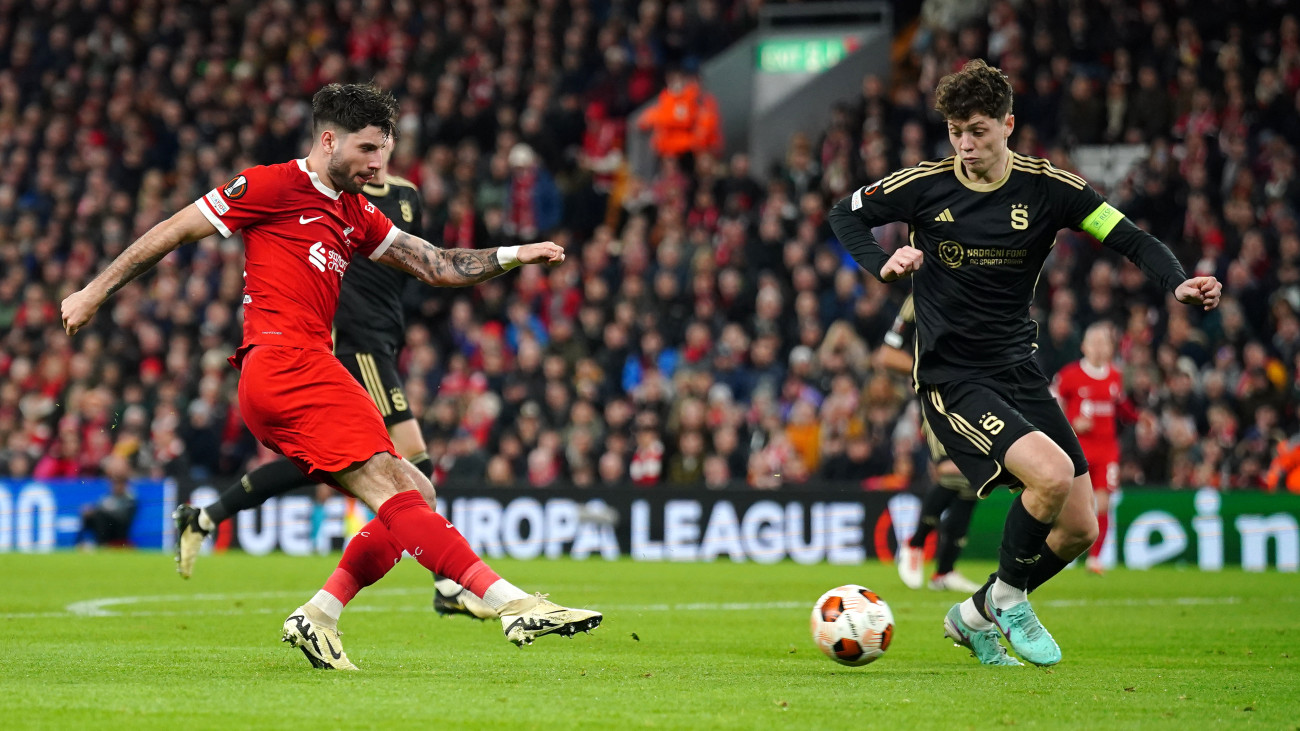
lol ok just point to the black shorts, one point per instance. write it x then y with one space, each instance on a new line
976 421
939 455
378 374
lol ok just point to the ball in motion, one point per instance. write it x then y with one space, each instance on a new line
852 625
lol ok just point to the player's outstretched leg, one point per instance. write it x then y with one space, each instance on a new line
984 644
439 547
311 631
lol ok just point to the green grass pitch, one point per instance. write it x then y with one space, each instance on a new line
117 640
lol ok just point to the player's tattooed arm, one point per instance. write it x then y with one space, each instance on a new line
464 267
441 267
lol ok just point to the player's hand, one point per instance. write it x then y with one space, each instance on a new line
904 261
1081 424
1204 291
546 252
77 310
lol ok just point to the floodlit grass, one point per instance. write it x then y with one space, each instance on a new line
117 640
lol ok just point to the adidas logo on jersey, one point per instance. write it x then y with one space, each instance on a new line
945 217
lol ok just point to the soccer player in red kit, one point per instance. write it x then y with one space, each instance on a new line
302 223
1092 395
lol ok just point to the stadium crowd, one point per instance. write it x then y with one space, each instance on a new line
707 328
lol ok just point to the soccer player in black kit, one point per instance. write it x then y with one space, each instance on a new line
369 329
982 224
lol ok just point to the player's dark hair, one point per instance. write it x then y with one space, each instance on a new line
977 89
353 107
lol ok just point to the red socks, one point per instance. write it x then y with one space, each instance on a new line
1103 524
433 541
368 556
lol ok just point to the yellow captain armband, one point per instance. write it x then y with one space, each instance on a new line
1102 221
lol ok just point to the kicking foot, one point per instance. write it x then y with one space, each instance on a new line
1094 565
526 619
953 581
321 645
910 562
189 538
1028 637
983 645
459 600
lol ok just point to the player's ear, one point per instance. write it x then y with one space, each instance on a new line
1010 124
328 139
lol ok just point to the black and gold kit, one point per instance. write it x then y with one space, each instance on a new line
369 326
985 245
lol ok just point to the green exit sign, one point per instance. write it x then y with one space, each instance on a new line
803 56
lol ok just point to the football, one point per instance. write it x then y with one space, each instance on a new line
852 625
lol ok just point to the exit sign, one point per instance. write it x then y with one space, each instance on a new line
803 56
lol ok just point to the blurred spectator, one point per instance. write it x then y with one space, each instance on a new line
108 522
684 119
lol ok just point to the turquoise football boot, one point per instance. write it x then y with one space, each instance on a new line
1026 634
985 646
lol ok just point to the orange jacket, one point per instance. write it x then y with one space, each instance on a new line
682 121
1285 470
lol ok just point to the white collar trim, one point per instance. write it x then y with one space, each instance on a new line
1094 372
315 180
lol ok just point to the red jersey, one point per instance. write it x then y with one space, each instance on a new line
299 236
1100 397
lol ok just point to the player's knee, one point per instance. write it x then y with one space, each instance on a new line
1053 477
427 489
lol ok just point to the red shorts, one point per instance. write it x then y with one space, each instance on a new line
305 405
1105 476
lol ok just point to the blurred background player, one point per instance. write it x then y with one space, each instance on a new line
303 222
1091 391
369 329
948 504
108 521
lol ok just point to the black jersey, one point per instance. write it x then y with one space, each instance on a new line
369 317
984 245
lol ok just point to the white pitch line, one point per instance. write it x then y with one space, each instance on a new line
103 607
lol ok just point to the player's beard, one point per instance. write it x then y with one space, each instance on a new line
343 177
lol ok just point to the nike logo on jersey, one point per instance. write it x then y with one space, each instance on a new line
305 220
945 217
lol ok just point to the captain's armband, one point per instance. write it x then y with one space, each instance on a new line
1102 221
